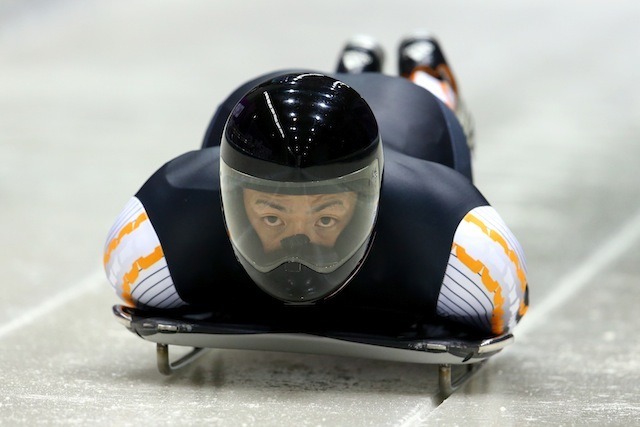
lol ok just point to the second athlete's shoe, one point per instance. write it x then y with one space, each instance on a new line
421 60
361 54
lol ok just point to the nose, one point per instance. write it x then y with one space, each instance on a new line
296 226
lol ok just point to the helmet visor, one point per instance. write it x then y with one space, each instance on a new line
319 224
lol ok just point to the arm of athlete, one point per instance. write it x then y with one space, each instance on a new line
134 261
485 282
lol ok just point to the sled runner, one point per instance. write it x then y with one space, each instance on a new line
203 332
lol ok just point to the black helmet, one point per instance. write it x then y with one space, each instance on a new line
300 172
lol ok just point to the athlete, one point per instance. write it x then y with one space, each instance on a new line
327 199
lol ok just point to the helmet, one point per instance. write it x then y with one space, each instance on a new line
300 172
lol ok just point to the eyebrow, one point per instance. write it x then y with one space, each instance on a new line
271 204
327 205
315 209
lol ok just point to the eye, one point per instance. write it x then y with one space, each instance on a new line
326 222
272 220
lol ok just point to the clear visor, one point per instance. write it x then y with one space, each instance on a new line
319 224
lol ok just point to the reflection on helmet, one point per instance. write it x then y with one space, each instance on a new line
301 169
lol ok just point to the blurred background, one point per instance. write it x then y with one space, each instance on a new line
95 96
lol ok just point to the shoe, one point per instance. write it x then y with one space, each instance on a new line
361 54
421 50
421 60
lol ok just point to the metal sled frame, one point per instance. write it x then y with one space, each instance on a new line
166 331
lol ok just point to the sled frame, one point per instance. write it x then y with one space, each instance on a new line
188 333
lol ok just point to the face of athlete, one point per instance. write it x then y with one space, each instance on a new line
320 217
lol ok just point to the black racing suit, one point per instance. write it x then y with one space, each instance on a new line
426 193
